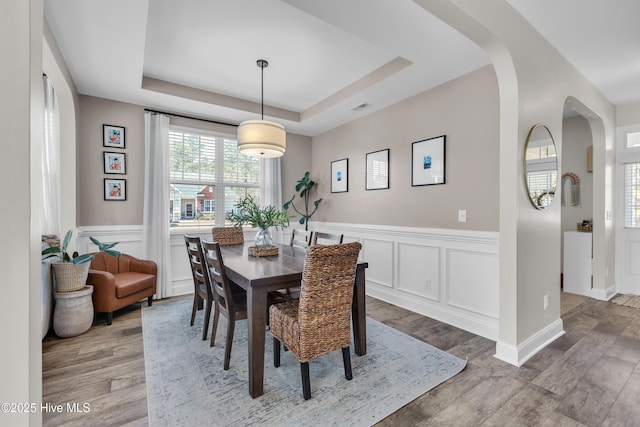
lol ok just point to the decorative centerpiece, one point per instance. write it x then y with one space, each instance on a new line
247 211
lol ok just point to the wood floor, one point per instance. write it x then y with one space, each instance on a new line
590 376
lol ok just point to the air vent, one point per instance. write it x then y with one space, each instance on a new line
360 107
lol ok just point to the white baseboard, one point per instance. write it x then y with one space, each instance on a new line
603 294
518 355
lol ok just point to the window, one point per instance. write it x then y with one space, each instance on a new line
632 139
632 195
207 177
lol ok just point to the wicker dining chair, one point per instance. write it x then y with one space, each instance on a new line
321 238
318 322
230 299
228 235
203 293
300 238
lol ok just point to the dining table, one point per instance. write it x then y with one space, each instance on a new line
260 275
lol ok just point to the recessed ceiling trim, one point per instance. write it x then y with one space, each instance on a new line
387 70
187 92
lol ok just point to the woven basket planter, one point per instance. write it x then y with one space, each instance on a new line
70 277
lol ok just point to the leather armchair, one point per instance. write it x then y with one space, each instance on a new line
119 282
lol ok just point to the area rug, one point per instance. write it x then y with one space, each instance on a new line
186 384
627 300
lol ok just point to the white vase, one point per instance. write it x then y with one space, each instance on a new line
73 314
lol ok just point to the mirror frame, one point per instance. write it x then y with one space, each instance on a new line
524 166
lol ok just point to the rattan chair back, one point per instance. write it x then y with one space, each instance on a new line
228 235
321 238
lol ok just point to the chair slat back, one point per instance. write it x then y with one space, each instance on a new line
301 238
196 260
228 235
321 238
217 274
326 295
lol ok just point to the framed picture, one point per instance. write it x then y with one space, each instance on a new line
115 189
113 136
427 161
114 163
340 176
377 170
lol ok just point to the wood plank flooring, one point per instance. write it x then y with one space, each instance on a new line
590 376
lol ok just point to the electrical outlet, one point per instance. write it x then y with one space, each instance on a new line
462 215
546 301
427 284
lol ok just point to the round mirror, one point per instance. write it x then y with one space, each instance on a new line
540 167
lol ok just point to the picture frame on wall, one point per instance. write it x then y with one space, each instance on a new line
340 176
115 189
113 136
114 163
377 170
428 161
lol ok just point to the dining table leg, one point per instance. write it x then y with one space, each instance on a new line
257 322
359 312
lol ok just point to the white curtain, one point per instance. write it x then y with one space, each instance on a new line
50 162
271 188
155 222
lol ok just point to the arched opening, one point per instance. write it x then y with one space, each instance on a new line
580 146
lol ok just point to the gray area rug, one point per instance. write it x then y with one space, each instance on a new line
186 384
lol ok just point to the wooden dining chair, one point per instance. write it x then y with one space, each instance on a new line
300 238
228 235
320 238
318 322
202 294
230 299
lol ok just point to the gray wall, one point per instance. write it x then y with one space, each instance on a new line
466 111
94 112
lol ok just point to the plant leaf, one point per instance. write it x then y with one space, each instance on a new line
317 202
82 258
67 239
113 253
302 220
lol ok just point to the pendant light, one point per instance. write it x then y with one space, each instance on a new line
262 138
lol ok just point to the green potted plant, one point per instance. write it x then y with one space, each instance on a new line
247 211
304 186
71 270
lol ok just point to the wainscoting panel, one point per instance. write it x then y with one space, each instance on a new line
449 275
471 281
379 255
418 270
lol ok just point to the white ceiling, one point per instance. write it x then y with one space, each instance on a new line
198 57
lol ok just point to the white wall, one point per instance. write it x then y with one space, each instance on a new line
21 121
534 81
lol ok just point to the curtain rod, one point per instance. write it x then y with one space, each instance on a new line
192 118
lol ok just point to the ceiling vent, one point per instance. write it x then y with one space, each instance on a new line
360 107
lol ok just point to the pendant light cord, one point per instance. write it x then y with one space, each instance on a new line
262 63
